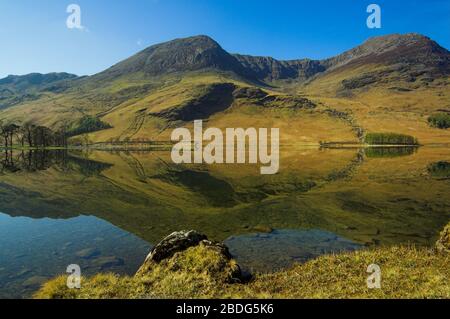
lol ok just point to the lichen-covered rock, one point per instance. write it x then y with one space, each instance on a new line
192 251
177 241
443 243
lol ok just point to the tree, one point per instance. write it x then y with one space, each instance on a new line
3 134
31 135
8 132
28 129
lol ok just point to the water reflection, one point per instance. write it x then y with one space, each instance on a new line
364 198
32 251
264 252
368 199
12 161
376 152
440 170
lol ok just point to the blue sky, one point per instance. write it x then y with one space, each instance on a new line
34 36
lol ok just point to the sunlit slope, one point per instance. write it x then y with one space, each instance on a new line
216 100
85 97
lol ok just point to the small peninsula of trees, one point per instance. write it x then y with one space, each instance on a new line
390 139
31 135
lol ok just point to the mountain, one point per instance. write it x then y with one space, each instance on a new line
412 54
393 58
269 69
180 55
15 89
388 83
201 52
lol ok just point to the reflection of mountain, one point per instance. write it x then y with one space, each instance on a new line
40 160
376 200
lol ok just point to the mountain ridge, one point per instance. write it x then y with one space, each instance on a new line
385 81
202 52
15 89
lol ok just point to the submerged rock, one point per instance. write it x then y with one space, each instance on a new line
87 253
443 243
105 262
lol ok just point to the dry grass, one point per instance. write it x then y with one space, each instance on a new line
406 272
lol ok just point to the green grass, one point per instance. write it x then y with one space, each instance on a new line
390 139
440 120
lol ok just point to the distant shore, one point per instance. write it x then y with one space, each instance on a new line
166 146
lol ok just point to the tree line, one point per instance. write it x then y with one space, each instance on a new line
31 135
390 139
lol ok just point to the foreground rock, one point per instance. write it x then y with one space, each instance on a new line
171 252
175 242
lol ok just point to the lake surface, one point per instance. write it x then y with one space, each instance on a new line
104 210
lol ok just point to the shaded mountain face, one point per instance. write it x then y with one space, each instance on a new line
270 69
15 89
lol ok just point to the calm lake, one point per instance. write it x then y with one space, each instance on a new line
104 210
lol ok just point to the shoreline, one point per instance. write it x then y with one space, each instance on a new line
167 147
187 265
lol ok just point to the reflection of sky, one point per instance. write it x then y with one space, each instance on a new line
34 249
